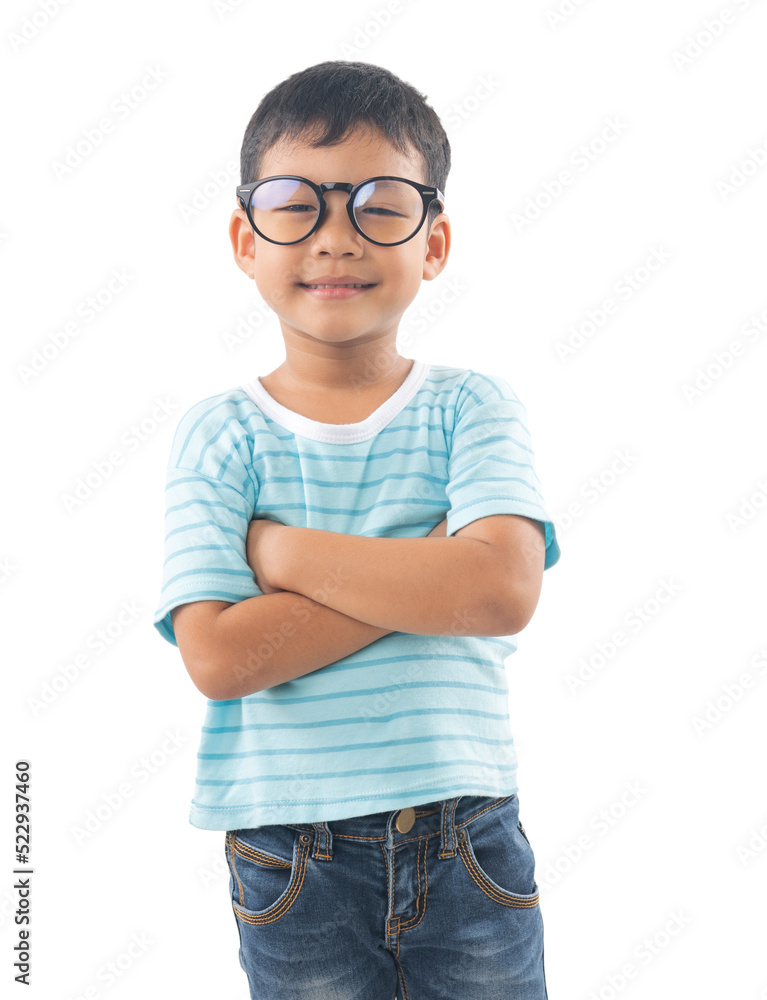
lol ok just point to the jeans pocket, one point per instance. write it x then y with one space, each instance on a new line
498 857
265 884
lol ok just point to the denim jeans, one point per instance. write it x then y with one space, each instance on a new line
367 909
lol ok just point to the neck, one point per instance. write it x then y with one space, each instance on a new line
304 371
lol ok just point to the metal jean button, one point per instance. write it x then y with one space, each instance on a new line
405 819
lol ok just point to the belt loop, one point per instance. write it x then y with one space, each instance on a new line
447 840
323 845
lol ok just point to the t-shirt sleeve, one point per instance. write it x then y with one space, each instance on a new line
210 499
491 469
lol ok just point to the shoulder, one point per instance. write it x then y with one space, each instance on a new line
211 426
468 387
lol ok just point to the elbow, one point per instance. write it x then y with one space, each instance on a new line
209 676
214 683
221 679
204 676
204 641
225 675
206 685
210 680
512 614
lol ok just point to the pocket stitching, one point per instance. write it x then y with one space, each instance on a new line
230 841
259 857
283 903
486 884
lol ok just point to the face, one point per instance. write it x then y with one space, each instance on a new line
394 274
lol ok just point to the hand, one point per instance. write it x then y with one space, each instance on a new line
258 549
439 529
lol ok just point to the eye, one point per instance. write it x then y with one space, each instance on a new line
296 209
375 210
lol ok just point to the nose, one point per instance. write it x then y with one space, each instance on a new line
336 229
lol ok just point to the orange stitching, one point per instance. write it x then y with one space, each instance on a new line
425 875
405 992
394 872
326 855
393 890
230 834
449 852
396 934
354 836
293 890
420 913
252 854
386 866
442 827
487 888
493 805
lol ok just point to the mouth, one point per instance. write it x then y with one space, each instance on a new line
322 291
335 286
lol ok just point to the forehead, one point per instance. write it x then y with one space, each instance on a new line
363 153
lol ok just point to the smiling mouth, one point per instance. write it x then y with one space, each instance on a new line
335 286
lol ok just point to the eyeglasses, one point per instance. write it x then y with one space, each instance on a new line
384 210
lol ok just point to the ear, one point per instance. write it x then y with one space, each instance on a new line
243 241
437 247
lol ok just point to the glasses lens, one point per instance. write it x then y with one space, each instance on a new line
388 211
284 210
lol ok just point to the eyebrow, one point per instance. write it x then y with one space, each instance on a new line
306 177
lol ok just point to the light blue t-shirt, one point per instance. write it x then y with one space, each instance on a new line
408 718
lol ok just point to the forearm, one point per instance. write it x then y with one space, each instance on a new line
272 638
429 586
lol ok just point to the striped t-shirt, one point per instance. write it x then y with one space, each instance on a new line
408 718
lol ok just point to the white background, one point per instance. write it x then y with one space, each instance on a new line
664 898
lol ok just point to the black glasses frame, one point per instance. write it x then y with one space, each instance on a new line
428 194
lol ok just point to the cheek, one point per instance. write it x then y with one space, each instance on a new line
407 280
410 270
273 281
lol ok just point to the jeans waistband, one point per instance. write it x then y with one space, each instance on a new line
445 817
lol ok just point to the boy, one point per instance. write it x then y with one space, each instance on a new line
356 746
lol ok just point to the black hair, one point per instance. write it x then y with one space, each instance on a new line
324 103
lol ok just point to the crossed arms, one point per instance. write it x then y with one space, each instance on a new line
327 594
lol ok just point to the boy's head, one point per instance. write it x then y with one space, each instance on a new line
323 103
343 122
